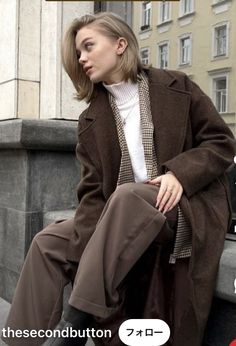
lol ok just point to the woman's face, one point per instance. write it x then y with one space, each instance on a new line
99 55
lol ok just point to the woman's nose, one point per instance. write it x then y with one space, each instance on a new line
83 58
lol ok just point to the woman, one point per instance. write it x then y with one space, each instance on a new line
154 205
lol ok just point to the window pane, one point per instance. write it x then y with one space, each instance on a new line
220 40
220 94
99 6
165 11
145 56
146 13
221 84
163 56
187 6
223 105
185 50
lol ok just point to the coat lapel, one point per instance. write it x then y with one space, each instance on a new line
105 138
169 109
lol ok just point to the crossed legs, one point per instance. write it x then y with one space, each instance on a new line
128 225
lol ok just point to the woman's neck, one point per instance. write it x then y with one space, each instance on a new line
122 92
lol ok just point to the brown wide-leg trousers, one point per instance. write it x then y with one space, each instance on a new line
128 225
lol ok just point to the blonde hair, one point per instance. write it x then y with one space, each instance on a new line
111 26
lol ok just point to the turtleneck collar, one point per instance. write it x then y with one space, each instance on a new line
123 92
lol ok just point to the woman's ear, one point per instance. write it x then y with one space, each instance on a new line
121 45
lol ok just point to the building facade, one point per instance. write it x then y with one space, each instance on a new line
196 37
33 84
193 36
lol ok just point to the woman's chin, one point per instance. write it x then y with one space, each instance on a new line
94 79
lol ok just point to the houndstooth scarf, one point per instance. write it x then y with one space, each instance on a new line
182 247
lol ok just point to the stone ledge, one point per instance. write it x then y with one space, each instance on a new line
226 285
53 216
38 134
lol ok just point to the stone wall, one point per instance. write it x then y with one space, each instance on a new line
38 178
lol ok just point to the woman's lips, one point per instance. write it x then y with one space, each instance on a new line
87 70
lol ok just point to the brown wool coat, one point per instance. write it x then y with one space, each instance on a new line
192 141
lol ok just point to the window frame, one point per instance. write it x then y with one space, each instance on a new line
215 79
181 38
99 6
161 6
159 46
141 51
182 11
215 54
146 25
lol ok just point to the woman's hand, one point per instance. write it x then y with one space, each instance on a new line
169 193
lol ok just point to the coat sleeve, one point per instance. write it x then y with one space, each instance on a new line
90 197
213 145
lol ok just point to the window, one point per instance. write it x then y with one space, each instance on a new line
163 55
99 6
145 55
185 50
220 93
146 15
186 6
220 40
164 11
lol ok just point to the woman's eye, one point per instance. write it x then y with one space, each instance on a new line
88 45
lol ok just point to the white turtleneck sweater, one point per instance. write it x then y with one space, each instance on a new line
127 100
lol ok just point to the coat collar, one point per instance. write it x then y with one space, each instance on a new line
155 77
169 106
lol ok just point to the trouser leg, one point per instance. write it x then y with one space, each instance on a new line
38 299
128 225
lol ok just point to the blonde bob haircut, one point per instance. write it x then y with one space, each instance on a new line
111 26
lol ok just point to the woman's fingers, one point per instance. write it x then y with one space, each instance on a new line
163 199
168 204
161 192
168 199
173 201
155 181
169 193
